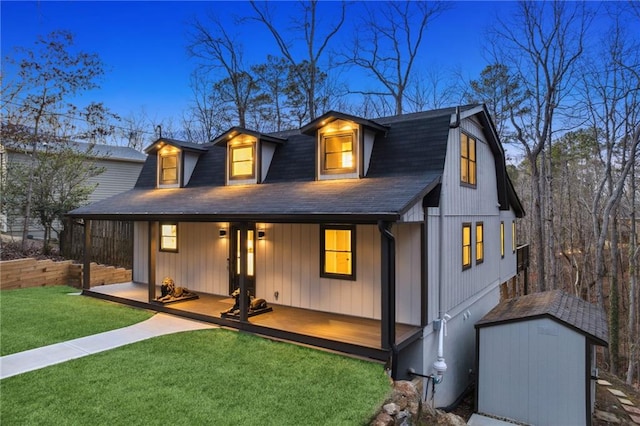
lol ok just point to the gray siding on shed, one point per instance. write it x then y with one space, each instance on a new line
532 371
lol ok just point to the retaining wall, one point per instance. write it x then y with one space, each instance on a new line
23 273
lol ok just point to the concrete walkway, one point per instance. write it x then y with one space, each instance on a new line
157 325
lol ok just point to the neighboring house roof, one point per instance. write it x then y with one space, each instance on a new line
584 317
407 162
100 151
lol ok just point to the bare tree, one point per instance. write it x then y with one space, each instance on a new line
221 52
48 77
310 29
541 45
387 43
612 92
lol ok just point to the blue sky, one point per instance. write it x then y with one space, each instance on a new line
143 44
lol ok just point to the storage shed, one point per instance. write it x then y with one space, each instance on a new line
536 359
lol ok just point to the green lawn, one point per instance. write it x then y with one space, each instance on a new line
40 316
212 377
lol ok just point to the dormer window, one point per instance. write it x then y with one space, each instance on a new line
249 155
344 144
242 163
339 150
168 167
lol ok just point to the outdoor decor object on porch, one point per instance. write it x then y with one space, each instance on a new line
256 306
171 294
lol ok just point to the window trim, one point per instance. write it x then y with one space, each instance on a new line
479 243
355 152
244 144
466 226
323 274
472 178
169 183
502 236
513 236
161 236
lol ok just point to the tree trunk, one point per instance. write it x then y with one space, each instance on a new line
632 333
614 302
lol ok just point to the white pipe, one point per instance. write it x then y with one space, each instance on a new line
440 366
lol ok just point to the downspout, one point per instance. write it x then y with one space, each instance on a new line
388 294
440 366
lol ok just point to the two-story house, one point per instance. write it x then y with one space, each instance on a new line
369 237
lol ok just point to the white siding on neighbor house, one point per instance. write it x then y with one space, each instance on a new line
118 176
140 252
529 372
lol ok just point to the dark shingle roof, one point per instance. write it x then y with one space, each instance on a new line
407 162
582 316
355 198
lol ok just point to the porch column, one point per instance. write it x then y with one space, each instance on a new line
86 261
151 261
387 285
244 306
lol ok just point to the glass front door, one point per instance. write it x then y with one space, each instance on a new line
237 267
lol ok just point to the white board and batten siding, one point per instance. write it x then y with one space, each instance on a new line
288 263
462 204
529 372
140 273
201 261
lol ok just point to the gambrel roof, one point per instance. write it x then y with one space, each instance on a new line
407 162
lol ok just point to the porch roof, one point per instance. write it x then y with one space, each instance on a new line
347 199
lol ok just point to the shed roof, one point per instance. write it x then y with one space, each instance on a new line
580 315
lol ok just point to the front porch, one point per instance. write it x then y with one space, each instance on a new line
342 333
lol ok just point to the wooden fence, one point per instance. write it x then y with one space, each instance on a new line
111 242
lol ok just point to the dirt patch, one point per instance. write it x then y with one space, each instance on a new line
609 403
11 249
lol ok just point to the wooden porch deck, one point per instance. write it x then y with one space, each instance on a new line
343 333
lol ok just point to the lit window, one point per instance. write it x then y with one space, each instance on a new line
168 168
513 236
466 245
501 239
169 237
467 159
338 153
242 162
337 248
479 242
